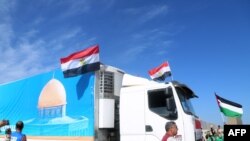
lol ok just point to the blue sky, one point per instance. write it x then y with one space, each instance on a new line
207 42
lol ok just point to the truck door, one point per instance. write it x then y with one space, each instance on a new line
159 108
132 116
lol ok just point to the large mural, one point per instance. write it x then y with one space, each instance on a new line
50 105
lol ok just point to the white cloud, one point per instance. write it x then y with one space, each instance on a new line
154 42
38 20
145 14
6 31
153 12
22 61
29 34
107 3
30 54
5 6
152 34
6 34
57 43
32 57
78 7
72 33
133 52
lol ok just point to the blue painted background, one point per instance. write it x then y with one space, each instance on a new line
19 101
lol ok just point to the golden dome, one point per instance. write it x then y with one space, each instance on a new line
53 94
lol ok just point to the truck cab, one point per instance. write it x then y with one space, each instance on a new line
141 108
146 106
131 108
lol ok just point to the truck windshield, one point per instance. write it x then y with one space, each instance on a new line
185 97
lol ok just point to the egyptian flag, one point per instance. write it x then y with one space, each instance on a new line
229 108
81 62
161 72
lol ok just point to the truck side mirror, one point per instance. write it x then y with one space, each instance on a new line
169 104
171 108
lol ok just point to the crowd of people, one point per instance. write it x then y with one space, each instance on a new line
211 135
214 135
170 135
17 135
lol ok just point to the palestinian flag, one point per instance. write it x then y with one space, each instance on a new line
229 108
81 62
161 72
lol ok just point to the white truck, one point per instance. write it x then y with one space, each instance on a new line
142 107
106 105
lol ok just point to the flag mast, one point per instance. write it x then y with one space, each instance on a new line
172 77
222 116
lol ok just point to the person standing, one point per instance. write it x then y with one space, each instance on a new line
4 122
219 134
18 135
171 131
219 131
7 134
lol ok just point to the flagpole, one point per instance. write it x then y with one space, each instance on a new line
222 117
172 77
